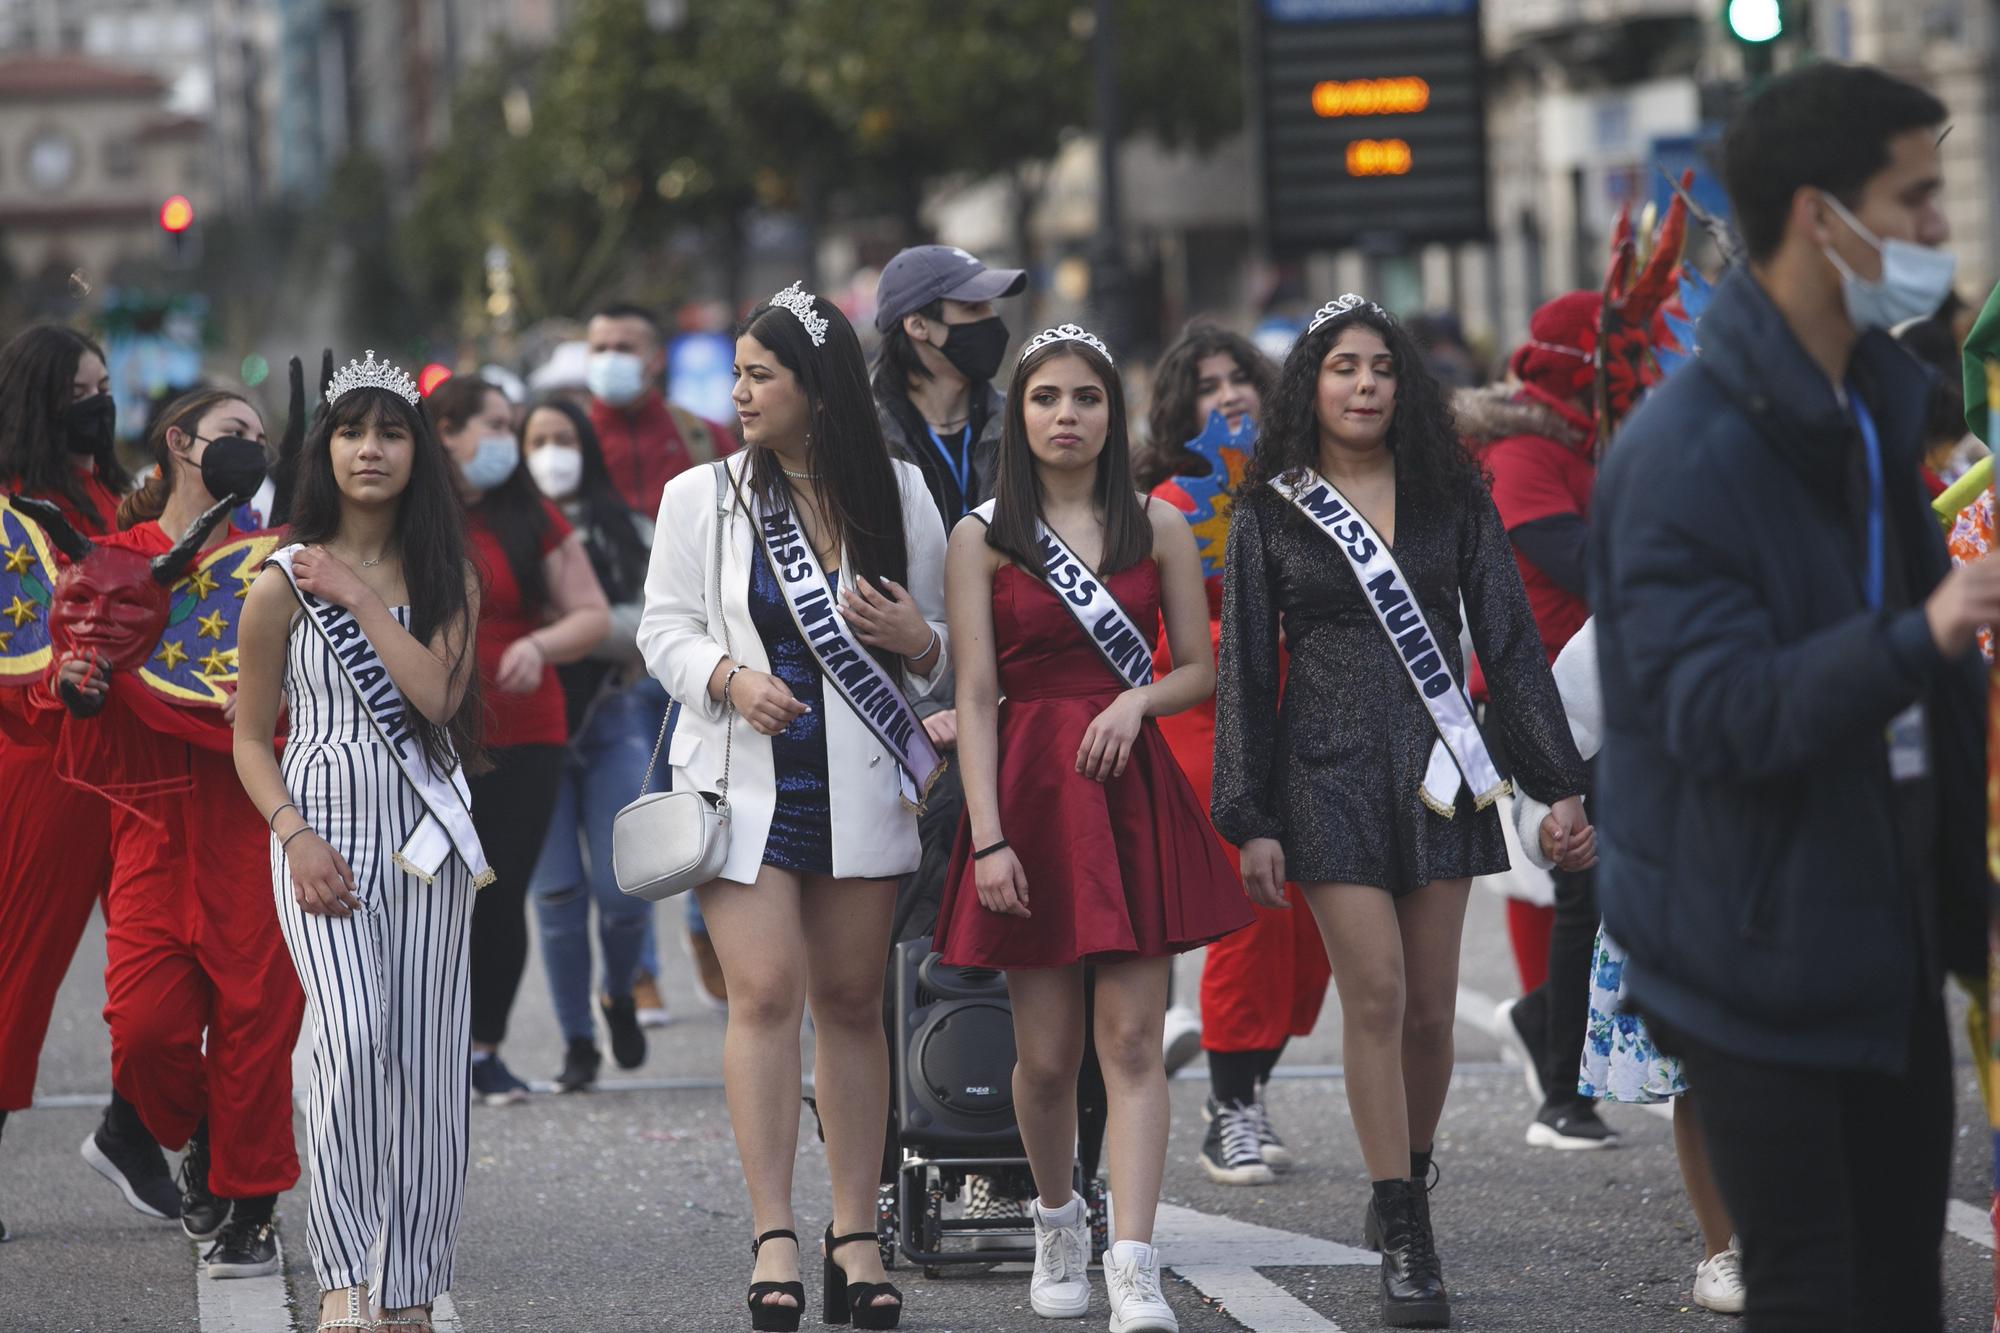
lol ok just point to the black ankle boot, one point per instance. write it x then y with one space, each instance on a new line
1413 1294
1421 1171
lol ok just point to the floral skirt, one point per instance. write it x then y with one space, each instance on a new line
1620 1062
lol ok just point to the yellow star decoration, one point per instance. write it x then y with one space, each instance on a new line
6 640
215 662
245 580
211 625
20 559
19 612
202 582
172 653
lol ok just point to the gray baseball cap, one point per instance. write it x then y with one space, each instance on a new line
924 273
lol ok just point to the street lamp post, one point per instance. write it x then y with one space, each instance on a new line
1108 279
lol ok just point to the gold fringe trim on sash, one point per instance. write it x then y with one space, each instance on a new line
1481 802
922 803
1439 807
409 868
485 877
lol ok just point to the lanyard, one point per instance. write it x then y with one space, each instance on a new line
1871 446
960 467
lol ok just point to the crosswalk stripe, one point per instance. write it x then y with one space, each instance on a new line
242 1304
1219 1256
1970 1222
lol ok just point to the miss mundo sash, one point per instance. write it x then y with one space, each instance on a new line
1459 755
844 660
448 823
1096 611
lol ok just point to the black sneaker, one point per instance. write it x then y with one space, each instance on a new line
202 1214
580 1065
247 1247
1229 1152
1269 1146
628 1039
495 1084
121 1152
1520 1026
1571 1128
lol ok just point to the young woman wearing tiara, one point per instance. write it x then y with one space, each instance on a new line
803 717
1057 587
363 630
1360 525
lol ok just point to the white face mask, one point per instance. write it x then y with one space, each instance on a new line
1915 278
617 378
557 469
492 463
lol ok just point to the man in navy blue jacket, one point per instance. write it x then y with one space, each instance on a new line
1791 784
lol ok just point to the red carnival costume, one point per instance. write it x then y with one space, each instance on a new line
203 1003
1266 983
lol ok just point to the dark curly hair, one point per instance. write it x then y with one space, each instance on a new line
1177 383
1431 463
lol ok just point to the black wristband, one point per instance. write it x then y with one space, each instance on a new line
985 852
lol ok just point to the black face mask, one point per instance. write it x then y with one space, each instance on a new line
233 467
88 424
975 349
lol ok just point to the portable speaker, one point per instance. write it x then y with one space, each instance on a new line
955 1057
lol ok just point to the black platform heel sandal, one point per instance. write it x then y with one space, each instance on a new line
766 1317
841 1300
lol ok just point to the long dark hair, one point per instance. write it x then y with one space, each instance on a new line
429 533
618 553
1017 497
513 510
1176 384
1431 463
183 414
37 374
857 486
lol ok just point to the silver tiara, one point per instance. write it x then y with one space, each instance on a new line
799 301
1065 333
1340 305
372 374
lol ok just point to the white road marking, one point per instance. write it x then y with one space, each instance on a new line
444 1315
242 1304
1219 1256
1970 1222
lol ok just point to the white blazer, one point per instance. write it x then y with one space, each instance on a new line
874 833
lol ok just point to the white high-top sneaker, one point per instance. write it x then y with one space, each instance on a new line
1132 1276
1060 1288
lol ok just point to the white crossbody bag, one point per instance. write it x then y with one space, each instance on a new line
668 842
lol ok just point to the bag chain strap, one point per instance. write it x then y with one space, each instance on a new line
729 647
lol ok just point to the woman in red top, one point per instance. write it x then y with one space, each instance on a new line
1265 985
540 606
56 419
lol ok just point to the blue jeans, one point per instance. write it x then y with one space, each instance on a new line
601 774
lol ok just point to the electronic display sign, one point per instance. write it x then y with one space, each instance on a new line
1371 121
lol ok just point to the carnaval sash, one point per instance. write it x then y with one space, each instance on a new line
448 825
1459 756
1082 593
844 660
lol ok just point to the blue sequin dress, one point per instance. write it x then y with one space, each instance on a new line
801 822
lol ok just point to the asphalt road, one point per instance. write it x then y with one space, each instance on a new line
623 1209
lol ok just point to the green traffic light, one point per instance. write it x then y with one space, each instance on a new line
1755 21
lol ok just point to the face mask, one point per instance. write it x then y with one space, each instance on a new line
1914 281
975 350
557 469
617 378
233 466
88 424
494 462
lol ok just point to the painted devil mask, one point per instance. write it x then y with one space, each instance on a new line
109 601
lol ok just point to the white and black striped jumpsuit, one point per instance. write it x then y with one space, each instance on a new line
387 990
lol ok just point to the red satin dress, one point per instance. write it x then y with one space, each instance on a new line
1125 869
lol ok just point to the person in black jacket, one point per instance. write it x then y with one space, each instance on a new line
1790 787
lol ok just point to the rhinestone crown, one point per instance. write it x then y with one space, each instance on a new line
372 374
799 301
1066 333
1340 305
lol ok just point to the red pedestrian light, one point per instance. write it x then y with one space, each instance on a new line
177 214
431 376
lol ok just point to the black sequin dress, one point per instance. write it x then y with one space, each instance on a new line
1334 771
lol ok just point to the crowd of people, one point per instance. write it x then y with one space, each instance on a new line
961 650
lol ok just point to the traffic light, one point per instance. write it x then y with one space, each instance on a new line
177 221
1755 26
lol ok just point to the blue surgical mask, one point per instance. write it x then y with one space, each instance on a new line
1915 278
493 463
617 378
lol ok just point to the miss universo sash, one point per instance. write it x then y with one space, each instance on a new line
447 825
1083 594
1459 755
844 660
